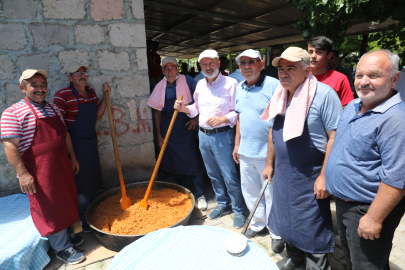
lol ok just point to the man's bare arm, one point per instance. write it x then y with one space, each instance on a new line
103 103
158 121
268 171
387 198
319 185
72 155
27 182
237 142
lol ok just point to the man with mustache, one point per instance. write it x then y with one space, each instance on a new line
80 109
320 50
252 97
214 102
304 114
38 147
365 169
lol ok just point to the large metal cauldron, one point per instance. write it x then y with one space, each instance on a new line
116 242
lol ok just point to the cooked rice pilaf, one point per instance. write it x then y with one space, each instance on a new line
166 207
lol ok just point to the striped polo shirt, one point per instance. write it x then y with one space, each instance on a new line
68 105
18 121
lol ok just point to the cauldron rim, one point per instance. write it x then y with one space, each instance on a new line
135 185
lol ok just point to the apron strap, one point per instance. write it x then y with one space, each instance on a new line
89 92
32 108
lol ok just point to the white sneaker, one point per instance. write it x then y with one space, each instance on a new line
202 203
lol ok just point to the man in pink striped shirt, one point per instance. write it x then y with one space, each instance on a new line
38 147
215 103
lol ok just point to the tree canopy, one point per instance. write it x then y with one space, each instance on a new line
333 18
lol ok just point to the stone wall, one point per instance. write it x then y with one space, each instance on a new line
106 35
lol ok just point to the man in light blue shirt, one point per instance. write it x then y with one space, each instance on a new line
237 75
365 169
252 96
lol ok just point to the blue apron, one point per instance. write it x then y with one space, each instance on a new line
181 155
296 215
84 139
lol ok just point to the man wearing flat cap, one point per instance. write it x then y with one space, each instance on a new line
40 150
215 104
81 109
181 156
304 114
252 96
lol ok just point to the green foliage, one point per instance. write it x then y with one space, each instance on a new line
332 18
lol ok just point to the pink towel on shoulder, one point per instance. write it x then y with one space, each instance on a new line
157 98
298 109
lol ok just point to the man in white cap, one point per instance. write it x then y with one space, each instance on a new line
304 114
38 147
252 97
215 104
81 109
181 157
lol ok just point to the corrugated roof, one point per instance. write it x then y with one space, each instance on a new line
184 28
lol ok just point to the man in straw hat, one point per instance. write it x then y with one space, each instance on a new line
38 147
252 96
181 155
304 114
215 104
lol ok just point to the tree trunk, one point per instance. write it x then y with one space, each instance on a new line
364 45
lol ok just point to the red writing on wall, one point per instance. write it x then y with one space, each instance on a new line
143 125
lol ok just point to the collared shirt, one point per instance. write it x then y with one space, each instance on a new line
250 104
237 75
323 115
18 121
68 105
216 100
368 148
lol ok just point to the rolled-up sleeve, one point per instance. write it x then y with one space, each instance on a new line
232 115
391 145
194 111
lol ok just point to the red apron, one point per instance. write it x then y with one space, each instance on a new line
54 206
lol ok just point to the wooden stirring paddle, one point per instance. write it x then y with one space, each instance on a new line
144 202
125 201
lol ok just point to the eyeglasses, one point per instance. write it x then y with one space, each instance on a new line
250 62
79 74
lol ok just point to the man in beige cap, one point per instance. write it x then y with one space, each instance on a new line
80 109
181 157
39 148
304 114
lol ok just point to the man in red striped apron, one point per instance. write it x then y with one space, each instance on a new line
39 148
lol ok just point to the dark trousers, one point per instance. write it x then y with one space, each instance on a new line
361 253
311 260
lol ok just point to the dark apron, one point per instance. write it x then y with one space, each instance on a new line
181 155
84 139
54 206
296 215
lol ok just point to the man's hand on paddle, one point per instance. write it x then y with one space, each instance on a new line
27 183
268 173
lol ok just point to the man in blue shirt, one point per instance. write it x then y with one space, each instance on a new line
365 169
252 96
299 143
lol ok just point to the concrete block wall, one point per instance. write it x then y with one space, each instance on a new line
106 35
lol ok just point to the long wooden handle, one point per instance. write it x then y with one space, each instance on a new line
252 212
114 140
162 151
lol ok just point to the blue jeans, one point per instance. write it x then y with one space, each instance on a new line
197 181
60 240
216 150
84 202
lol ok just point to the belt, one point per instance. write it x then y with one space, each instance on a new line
348 200
215 130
